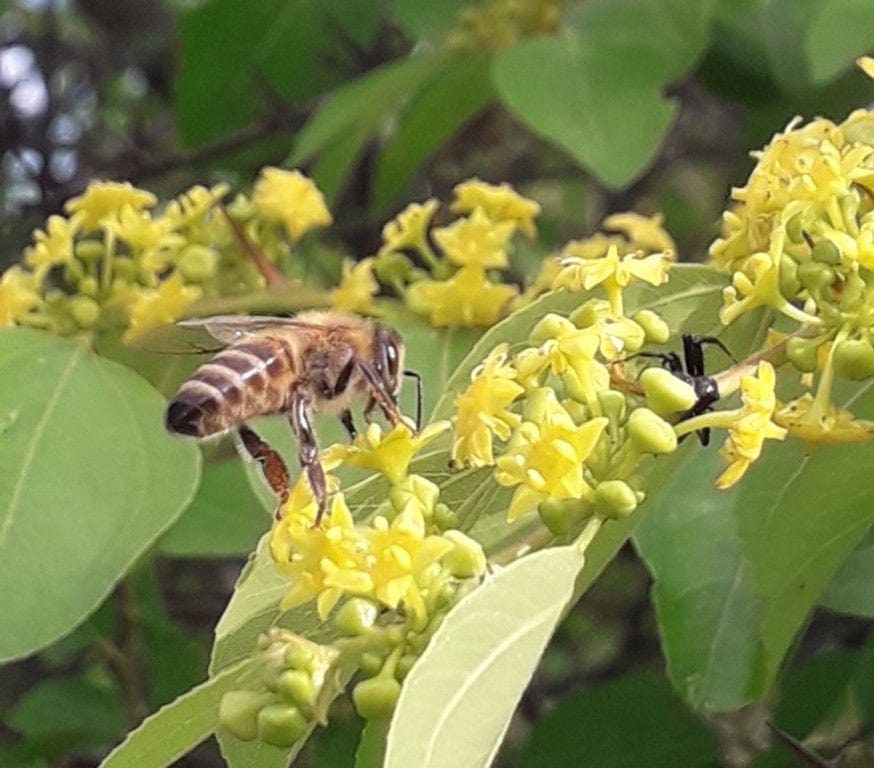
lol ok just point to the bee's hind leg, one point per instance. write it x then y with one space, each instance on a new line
272 465
308 454
349 424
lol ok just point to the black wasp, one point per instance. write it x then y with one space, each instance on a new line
706 389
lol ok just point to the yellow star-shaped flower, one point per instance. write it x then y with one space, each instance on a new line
476 241
500 202
467 298
293 199
103 201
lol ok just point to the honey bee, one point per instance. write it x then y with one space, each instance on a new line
315 362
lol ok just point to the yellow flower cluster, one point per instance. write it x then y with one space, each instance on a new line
116 261
800 240
459 289
402 559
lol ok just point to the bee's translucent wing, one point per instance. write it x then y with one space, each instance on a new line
229 329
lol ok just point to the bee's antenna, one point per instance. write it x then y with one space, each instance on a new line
418 377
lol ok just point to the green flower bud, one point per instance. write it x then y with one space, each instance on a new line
297 686
650 433
795 227
375 699
859 127
85 311
616 498
197 263
550 326
562 516
825 252
665 393
238 712
281 725
88 286
578 412
126 269
613 404
89 250
466 558
590 313
414 489
299 656
355 617
371 663
444 517
802 353
573 387
655 329
393 268
790 285
815 276
854 359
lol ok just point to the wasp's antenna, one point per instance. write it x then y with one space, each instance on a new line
418 377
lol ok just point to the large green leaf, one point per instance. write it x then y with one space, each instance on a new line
595 89
635 720
238 55
450 98
852 588
737 573
839 31
90 479
180 726
457 701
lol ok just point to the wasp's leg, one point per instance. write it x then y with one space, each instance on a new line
379 394
272 465
349 424
308 453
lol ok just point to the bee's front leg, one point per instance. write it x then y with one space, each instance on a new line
272 465
308 453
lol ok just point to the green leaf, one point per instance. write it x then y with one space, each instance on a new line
852 588
635 720
450 98
768 548
225 518
90 479
457 701
238 55
839 31
432 20
183 724
371 747
596 89
68 715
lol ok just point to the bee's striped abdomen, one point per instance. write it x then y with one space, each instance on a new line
252 378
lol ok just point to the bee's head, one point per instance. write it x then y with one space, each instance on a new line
390 359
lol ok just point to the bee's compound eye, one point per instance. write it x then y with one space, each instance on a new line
183 418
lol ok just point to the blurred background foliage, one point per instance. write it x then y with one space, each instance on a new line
587 107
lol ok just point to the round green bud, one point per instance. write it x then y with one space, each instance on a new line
825 252
281 725
370 663
586 315
790 285
655 329
650 433
854 359
550 326
665 393
815 276
238 712
444 517
375 699
466 558
414 488
802 353
613 404
616 498
298 656
355 617
89 250
297 686
392 268
88 286
197 263
573 387
562 516
859 128
795 228
85 311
